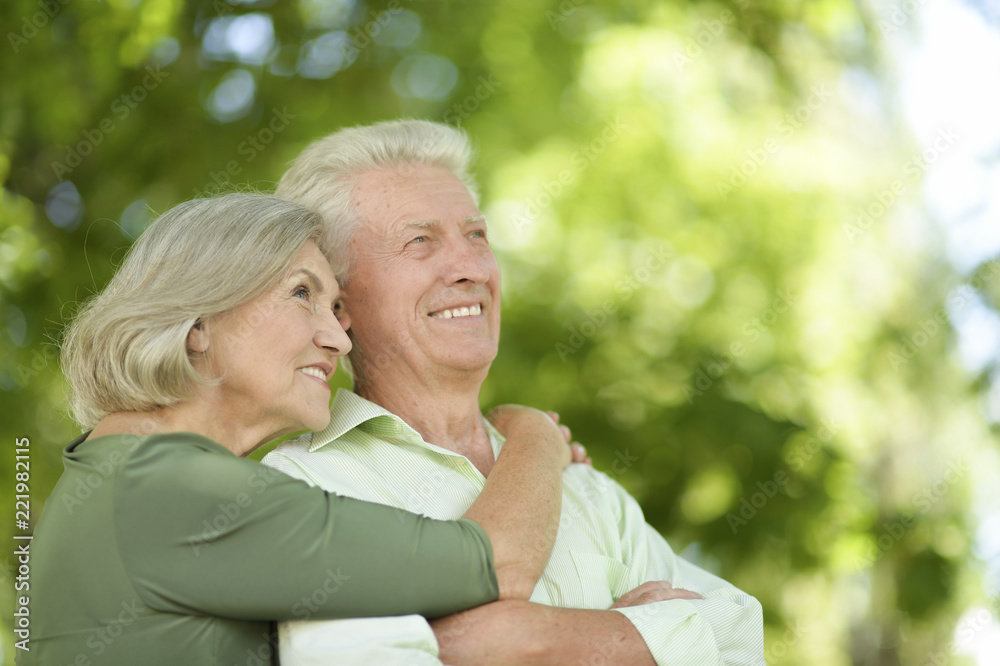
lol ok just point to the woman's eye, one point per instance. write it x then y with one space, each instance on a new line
302 291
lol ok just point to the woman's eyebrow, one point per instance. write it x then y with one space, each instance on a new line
317 284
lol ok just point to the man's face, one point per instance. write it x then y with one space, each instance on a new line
422 268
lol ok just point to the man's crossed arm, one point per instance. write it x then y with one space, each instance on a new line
523 633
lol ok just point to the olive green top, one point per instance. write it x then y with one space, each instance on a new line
169 549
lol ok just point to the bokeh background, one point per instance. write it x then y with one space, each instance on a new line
747 249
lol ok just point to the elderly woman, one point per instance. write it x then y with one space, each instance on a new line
161 545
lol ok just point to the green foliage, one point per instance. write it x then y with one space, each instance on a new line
673 189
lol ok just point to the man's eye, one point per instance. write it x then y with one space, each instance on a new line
479 234
419 239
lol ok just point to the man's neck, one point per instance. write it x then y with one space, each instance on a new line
445 415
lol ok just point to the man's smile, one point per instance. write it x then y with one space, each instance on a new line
463 311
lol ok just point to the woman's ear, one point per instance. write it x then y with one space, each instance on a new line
197 338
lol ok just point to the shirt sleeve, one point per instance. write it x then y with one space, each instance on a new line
406 640
387 641
726 627
201 531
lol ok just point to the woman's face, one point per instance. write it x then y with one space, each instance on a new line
276 352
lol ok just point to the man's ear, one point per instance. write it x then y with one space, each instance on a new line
197 338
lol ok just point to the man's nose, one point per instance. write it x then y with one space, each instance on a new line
465 262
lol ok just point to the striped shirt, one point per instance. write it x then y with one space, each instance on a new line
603 549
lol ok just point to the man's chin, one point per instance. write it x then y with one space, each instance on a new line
468 360
445 356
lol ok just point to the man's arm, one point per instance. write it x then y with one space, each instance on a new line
714 623
516 632
522 633
723 627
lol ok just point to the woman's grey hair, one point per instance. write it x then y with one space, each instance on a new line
323 176
126 350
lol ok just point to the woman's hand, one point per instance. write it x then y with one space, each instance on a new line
507 418
577 451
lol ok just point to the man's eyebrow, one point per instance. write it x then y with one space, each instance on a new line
431 224
421 224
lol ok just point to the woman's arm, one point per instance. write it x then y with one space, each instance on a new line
199 530
520 504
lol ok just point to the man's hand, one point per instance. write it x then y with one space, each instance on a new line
653 591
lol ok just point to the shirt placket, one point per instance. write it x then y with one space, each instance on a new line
463 482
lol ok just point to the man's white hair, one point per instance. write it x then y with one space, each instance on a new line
324 175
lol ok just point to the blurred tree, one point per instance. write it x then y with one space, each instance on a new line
715 266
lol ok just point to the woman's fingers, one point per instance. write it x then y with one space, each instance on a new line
580 454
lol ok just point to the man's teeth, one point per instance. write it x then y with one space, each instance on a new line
315 372
458 312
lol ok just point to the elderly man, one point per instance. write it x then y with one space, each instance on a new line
422 288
